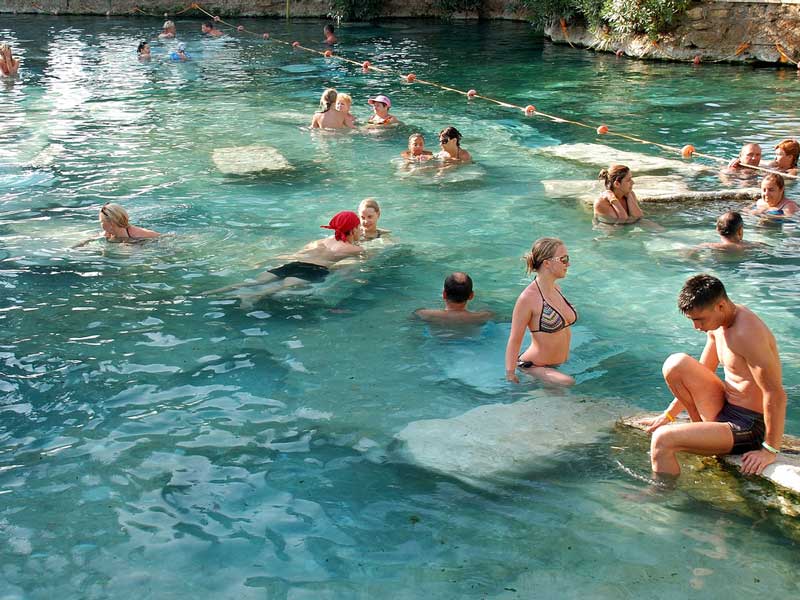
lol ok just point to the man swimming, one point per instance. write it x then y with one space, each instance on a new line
742 414
456 294
310 265
730 228
749 156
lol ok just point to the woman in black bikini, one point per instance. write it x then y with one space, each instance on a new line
117 227
543 309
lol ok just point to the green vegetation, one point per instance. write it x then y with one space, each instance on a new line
355 10
618 16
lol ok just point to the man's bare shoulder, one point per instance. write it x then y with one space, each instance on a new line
748 330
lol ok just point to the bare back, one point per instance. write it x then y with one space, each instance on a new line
330 119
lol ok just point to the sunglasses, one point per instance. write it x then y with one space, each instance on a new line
563 259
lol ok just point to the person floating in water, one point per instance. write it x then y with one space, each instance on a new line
450 142
416 149
618 203
143 51
742 414
380 105
330 36
544 310
328 117
168 31
456 294
773 202
310 265
730 228
208 28
786 155
9 66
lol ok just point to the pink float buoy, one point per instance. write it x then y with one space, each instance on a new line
328 53
240 28
366 65
471 93
530 109
295 44
265 36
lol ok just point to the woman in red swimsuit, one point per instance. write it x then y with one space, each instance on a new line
543 309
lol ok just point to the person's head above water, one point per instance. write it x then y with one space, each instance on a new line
750 154
786 154
614 176
730 225
772 188
449 133
169 27
369 211
544 249
207 26
701 292
114 214
328 100
458 288
343 225
143 48
328 29
380 104
343 102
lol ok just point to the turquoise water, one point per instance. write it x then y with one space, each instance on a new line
158 443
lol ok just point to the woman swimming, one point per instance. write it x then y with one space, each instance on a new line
543 309
327 117
450 142
369 211
618 203
117 227
773 201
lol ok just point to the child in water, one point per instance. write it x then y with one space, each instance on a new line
369 211
343 104
416 149
381 105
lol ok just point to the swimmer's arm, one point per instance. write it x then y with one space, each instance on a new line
519 319
762 358
89 241
634 210
604 211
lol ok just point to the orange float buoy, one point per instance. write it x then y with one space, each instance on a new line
687 151
240 28
366 65
696 59
471 94
265 36
411 78
602 129
530 109
295 44
328 53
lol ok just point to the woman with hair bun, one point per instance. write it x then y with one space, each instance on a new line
327 117
618 203
544 310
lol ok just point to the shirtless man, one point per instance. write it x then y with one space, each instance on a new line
742 414
750 154
330 36
208 28
730 228
456 294
310 265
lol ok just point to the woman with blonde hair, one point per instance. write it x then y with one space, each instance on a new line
544 310
9 66
369 211
327 117
618 203
117 227
343 104
786 154
168 31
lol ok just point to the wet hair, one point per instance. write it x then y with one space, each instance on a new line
700 291
142 44
614 174
542 249
458 287
777 178
209 24
369 203
115 214
792 148
168 25
451 133
328 28
328 100
729 223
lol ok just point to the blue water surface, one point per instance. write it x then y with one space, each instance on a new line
158 443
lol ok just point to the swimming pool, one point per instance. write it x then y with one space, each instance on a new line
161 443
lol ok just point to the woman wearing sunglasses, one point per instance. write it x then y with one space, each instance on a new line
450 141
543 309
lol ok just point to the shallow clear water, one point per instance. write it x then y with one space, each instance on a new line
161 443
